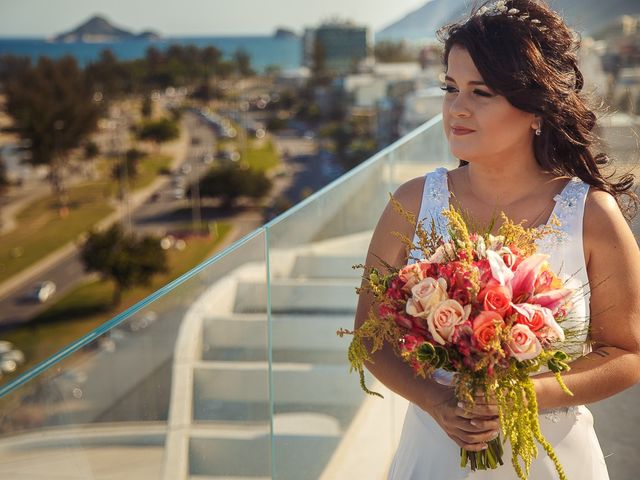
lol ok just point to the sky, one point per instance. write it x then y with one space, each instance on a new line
42 18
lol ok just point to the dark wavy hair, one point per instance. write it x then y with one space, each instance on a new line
529 55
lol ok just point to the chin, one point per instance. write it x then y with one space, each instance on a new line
467 154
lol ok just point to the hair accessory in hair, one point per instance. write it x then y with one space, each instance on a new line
500 8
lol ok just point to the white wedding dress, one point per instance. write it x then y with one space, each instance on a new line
425 452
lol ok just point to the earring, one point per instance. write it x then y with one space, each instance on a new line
538 131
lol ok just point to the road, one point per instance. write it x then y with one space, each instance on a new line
303 172
67 272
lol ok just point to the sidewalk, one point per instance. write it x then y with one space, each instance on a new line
178 150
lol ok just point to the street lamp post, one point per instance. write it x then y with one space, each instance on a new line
195 197
118 146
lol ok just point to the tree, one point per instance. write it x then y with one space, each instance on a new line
109 76
230 182
91 150
124 258
147 106
128 166
53 109
4 181
389 51
159 131
242 63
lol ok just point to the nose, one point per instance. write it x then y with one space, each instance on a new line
458 107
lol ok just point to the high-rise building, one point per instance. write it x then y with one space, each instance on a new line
340 47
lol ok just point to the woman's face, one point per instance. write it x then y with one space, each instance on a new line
478 123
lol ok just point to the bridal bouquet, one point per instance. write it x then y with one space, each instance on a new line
486 308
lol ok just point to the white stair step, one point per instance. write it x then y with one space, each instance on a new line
290 295
287 332
327 266
293 383
296 458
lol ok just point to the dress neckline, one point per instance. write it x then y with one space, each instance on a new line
444 173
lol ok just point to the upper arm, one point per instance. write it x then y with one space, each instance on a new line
386 247
614 274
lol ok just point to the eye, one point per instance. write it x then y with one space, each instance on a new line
482 93
448 89
478 92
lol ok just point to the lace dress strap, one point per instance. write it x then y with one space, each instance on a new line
435 198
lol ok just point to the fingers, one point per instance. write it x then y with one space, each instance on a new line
474 438
477 425
469 447
478 410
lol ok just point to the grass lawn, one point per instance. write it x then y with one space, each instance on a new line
262 155
149 167
89 305
41 230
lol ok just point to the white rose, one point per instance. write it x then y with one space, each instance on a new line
445 318
426 295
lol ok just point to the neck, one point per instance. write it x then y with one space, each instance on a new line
500 184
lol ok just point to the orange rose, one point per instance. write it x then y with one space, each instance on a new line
533 316
484 328
498 299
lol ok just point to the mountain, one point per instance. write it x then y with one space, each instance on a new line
284 33
586 16
98 29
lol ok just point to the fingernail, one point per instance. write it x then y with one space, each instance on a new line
494 435
473 422
484 447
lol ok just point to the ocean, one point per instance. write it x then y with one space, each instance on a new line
263 50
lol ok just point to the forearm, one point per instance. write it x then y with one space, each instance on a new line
400 378
598 375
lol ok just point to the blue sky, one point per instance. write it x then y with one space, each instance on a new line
195 17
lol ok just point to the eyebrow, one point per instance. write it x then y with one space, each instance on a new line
472 82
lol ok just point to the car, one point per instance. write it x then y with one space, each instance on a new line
43 291
178 193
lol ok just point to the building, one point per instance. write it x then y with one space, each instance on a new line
340 46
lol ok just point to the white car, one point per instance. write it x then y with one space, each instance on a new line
43 291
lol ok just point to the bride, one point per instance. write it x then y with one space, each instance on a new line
515 116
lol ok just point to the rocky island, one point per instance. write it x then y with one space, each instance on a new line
99 30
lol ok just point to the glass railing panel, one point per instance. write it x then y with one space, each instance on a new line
311 252
176 386
320 413
421 151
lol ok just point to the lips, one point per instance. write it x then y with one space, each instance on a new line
457 130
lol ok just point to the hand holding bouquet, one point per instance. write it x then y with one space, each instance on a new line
488 309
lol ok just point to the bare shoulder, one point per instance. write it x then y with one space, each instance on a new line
604 224
410 194
614 272
384 243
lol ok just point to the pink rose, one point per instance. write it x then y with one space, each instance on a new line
426 295
411 275
445 318
523 343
